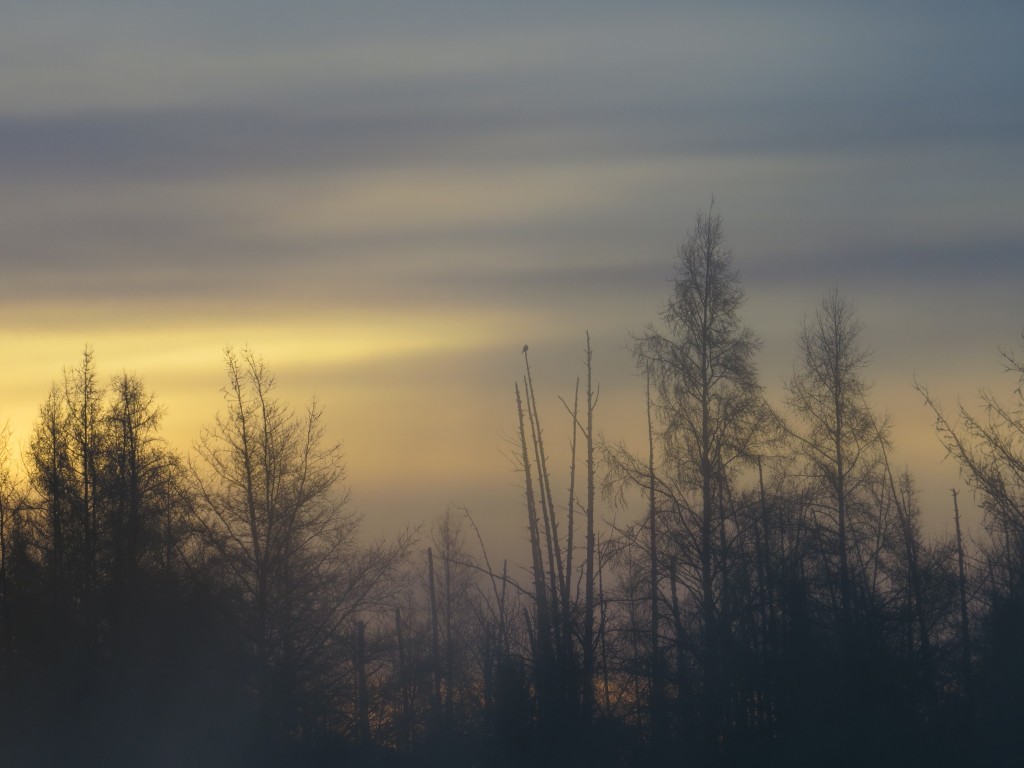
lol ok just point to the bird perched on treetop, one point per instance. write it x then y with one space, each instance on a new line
525 347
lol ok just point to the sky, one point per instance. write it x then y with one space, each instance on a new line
387 200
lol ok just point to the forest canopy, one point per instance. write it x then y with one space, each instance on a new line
753 585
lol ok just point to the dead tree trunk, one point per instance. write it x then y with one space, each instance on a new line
588 600
556 568
405 724
542 653
965 622
657 702
362 692
435 653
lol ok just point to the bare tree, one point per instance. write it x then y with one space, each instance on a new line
63 460
270 501
589 645
989 447
711 413
839 436
12 503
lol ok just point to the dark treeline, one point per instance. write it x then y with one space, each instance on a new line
771 599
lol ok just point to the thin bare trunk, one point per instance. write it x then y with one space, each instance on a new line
965 623
540 587
362 693
405 726
556 567
449 644
435 652
588 605
570 508
602 636
657 690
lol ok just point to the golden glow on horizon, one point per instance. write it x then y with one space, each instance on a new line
422 420
179 359
415 439
393 388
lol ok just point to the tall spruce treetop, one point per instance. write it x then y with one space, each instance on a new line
708 402
702 364
828 394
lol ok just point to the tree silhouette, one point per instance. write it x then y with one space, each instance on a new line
989 448
774 597
712 415
270 502
827 394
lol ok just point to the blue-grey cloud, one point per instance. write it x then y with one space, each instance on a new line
655 80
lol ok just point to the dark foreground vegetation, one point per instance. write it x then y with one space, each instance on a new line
772 601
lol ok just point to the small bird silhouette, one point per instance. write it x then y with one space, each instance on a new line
525 348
